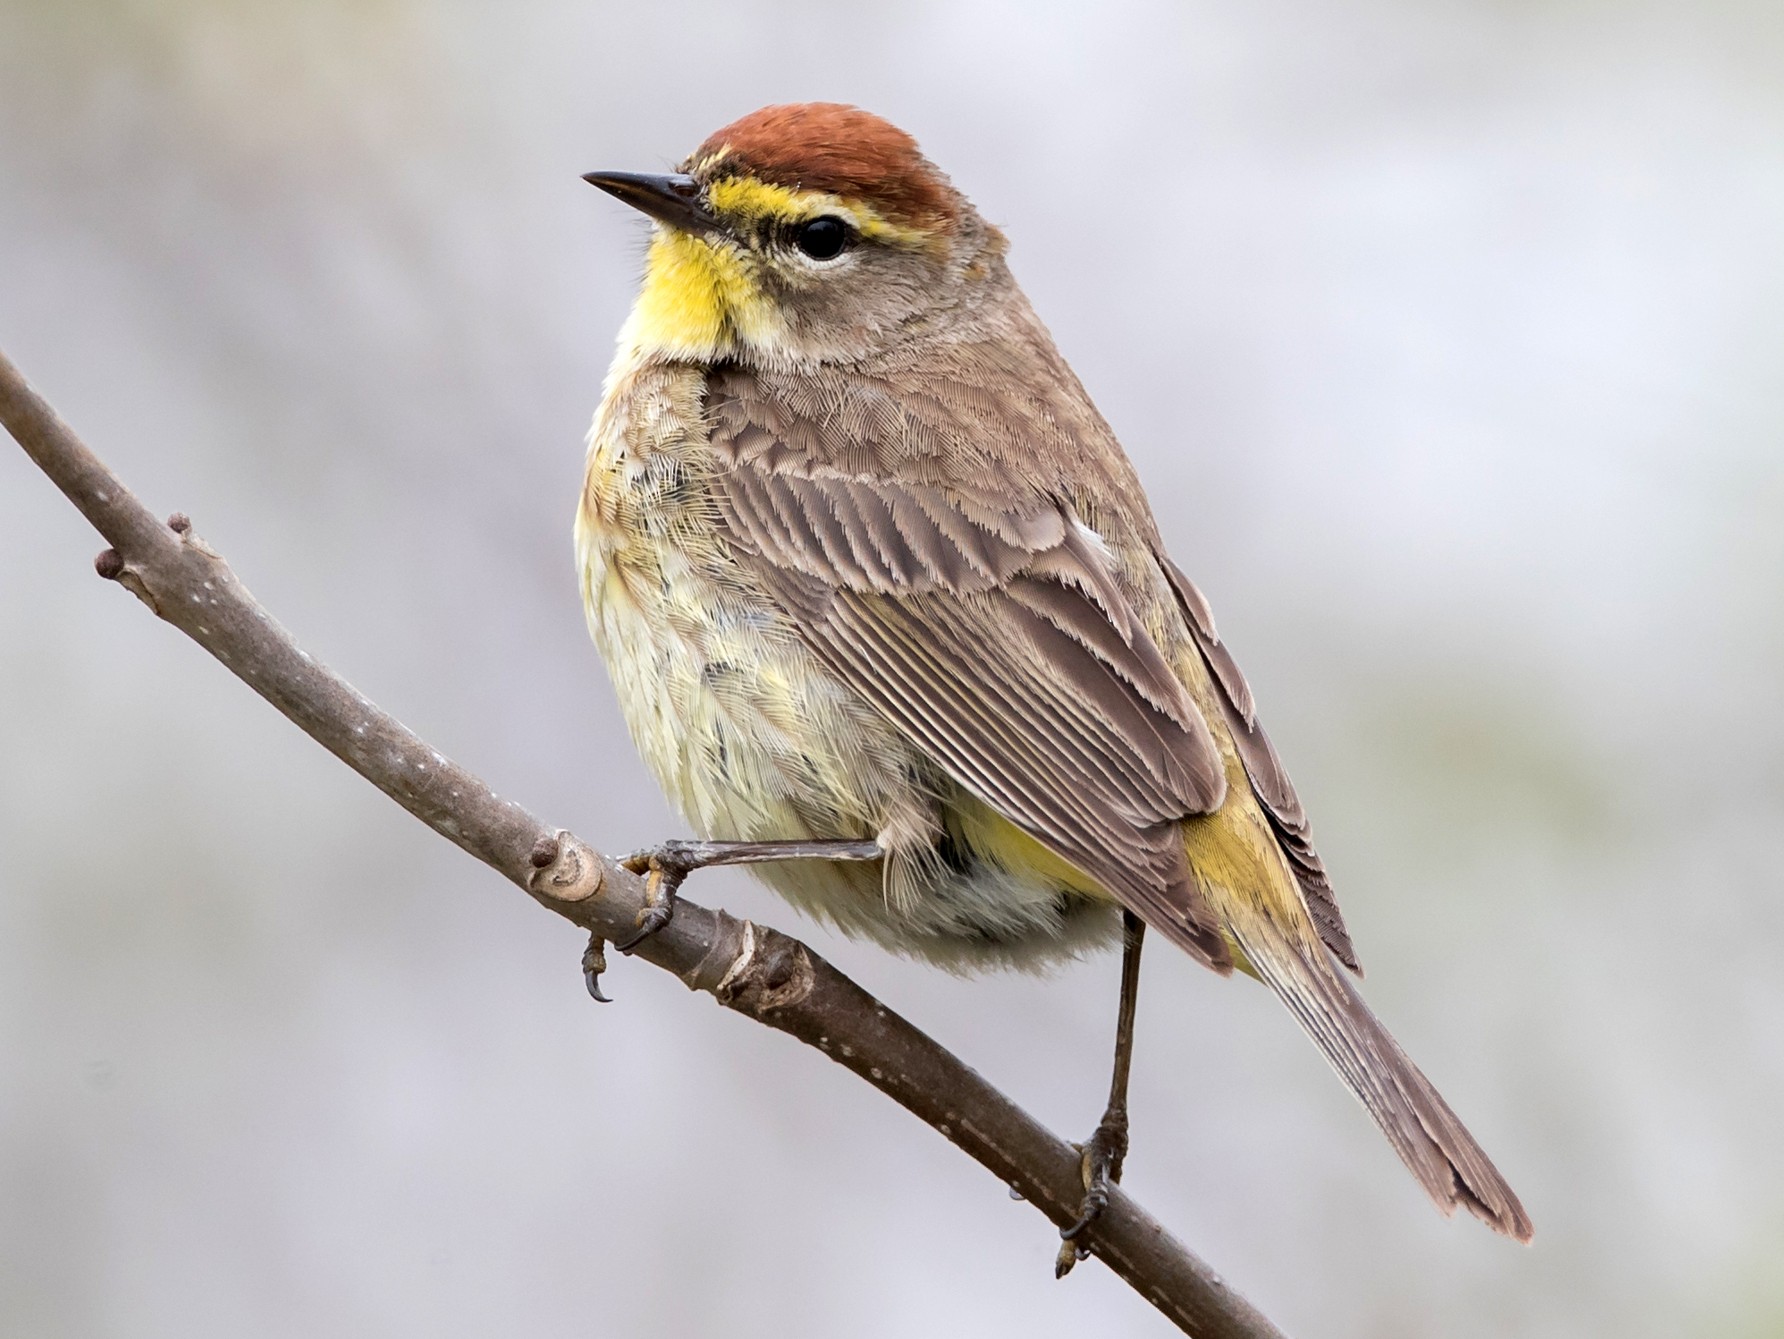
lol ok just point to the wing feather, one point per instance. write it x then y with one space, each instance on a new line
985 626
1264 769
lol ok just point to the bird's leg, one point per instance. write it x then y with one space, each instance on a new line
1102 1154
665 866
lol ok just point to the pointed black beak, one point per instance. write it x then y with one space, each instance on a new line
673 199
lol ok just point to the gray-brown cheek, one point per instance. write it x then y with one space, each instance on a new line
878 291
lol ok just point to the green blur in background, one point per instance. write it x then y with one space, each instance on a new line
1448 339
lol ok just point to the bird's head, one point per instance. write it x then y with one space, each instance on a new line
813 232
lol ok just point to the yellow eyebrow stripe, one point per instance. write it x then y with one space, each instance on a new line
748 199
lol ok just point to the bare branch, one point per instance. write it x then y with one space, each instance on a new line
749 968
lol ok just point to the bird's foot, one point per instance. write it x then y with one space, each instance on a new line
664 867
668 865
1099 1161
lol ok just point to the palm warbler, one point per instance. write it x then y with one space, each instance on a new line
886 609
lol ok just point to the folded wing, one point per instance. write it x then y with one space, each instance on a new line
988 629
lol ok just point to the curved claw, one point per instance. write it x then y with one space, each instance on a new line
654 919
594 962
1096 1199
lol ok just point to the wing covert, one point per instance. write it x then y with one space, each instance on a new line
985 624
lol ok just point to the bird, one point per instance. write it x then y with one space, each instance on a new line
889 617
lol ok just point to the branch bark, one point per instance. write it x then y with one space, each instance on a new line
749 968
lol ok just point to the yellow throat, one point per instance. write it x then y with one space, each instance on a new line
699 299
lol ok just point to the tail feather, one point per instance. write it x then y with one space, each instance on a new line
1423 1130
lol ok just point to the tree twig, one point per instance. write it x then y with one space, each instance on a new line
749 968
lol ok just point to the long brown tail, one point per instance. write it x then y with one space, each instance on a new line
1437 1148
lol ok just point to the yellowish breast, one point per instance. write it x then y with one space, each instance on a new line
749 737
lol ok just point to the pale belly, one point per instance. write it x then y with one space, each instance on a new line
751 738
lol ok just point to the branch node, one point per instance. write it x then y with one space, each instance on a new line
179 523
110 564
571 872
772 972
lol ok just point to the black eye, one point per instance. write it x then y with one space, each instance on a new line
822 238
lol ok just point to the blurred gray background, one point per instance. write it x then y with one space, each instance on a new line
1448 338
